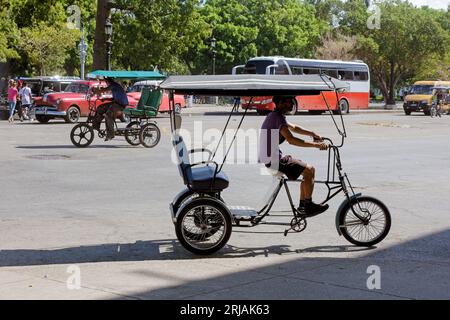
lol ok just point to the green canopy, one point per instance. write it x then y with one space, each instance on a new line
126 75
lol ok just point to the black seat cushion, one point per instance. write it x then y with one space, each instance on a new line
202 180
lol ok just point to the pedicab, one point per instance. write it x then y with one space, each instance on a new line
203 220
142 128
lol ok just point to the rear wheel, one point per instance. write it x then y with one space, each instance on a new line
132 133
372 229
407 112
73 115
82 135
203 226
150 135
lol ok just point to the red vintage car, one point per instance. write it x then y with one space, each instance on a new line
134 94
70 105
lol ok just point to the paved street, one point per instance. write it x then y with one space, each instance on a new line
104 210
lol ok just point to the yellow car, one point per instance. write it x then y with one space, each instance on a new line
420 96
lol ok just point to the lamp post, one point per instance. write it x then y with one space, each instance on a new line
213 53
83 51
109 43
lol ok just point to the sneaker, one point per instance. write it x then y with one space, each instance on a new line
311 209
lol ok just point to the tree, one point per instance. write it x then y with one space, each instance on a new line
247 28
46 46
399 53
103 12
339 47
8 34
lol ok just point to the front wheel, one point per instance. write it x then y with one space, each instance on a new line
375 223
42 119
82 135
150 135
73 115
203 226
344 106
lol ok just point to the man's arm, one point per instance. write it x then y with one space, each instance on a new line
287 134
299 130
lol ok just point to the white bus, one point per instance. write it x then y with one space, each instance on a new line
356 73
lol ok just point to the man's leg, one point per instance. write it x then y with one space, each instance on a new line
110 120
306 191
307 186
98 118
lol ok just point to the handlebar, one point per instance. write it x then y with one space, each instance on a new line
332 145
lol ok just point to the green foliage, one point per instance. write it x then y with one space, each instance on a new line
399 48
248 28
46 46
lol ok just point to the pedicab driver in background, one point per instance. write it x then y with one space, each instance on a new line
276 130
119 103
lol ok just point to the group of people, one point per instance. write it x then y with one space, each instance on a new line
20 99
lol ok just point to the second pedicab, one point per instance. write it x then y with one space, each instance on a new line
142 128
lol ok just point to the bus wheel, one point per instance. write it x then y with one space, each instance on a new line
294 110
343 105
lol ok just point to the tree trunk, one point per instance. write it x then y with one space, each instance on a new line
391 98
103 12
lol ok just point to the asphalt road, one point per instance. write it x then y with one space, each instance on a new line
103 211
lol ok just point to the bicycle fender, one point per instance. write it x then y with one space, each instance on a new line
220 203
341 209
176 203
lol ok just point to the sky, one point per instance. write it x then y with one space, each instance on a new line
437 4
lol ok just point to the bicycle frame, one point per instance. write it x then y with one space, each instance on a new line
337 181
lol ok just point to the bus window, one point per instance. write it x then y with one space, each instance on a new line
311 71
361 76
345 75
296 70
331 73
257 67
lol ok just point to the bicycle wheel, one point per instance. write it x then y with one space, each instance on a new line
433 111
82 135
203 226
132 133
150 135
374 227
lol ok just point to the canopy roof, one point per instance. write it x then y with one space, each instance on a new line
252 85
126 75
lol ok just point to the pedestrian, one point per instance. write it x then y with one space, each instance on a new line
12 99
26 100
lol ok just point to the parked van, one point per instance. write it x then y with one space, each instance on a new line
420 96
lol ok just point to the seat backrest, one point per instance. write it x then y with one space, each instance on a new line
153 101
145 94
182 155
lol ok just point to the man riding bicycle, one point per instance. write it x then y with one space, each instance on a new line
109 110
276 130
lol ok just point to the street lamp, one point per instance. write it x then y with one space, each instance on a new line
83 51
214 53
109 43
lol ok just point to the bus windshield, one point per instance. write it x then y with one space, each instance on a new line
421 89
257 66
